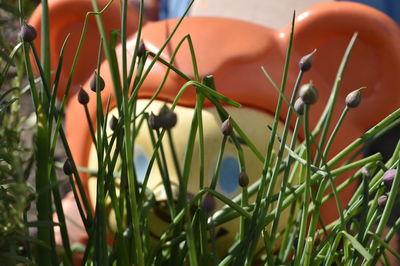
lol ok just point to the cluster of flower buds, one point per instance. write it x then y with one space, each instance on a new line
308 93
388 178
83 96
165 119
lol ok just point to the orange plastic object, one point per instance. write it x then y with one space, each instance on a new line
66 17
234 51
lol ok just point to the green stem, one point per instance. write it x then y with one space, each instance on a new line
214 180
90 125
42 181
307 188
132 184
199 107
388 208
335 130
325 119
282 149
108 52
285 181
45 41
138 37
166 179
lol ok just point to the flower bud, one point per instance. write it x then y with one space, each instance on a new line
67 167
164 110
306 61
154 121
208 203
382 201
388 177
141 49
308 93
243 179
353 99
226 127
167 118
113 123
28 33
83 97
93 83
299 106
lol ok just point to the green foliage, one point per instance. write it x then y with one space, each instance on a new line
190 235
16 161
15 164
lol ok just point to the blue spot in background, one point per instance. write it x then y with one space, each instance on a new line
390 7
172 8
141 161
229 174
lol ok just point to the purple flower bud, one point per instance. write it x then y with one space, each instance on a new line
208 203
299 106
113 123
141 49
164 110
353 99
83 97
382 201
243 179
167 118
93 83
226 127
388 177
154 121
28 33
67 167
306 61
308 93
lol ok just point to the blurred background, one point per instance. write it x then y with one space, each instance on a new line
274 14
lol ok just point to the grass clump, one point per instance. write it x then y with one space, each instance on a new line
192 222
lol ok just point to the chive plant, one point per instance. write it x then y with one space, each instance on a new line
356 237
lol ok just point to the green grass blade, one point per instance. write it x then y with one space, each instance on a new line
357 245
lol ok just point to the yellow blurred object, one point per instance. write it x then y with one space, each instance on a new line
254 124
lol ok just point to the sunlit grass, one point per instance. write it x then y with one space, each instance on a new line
190 238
